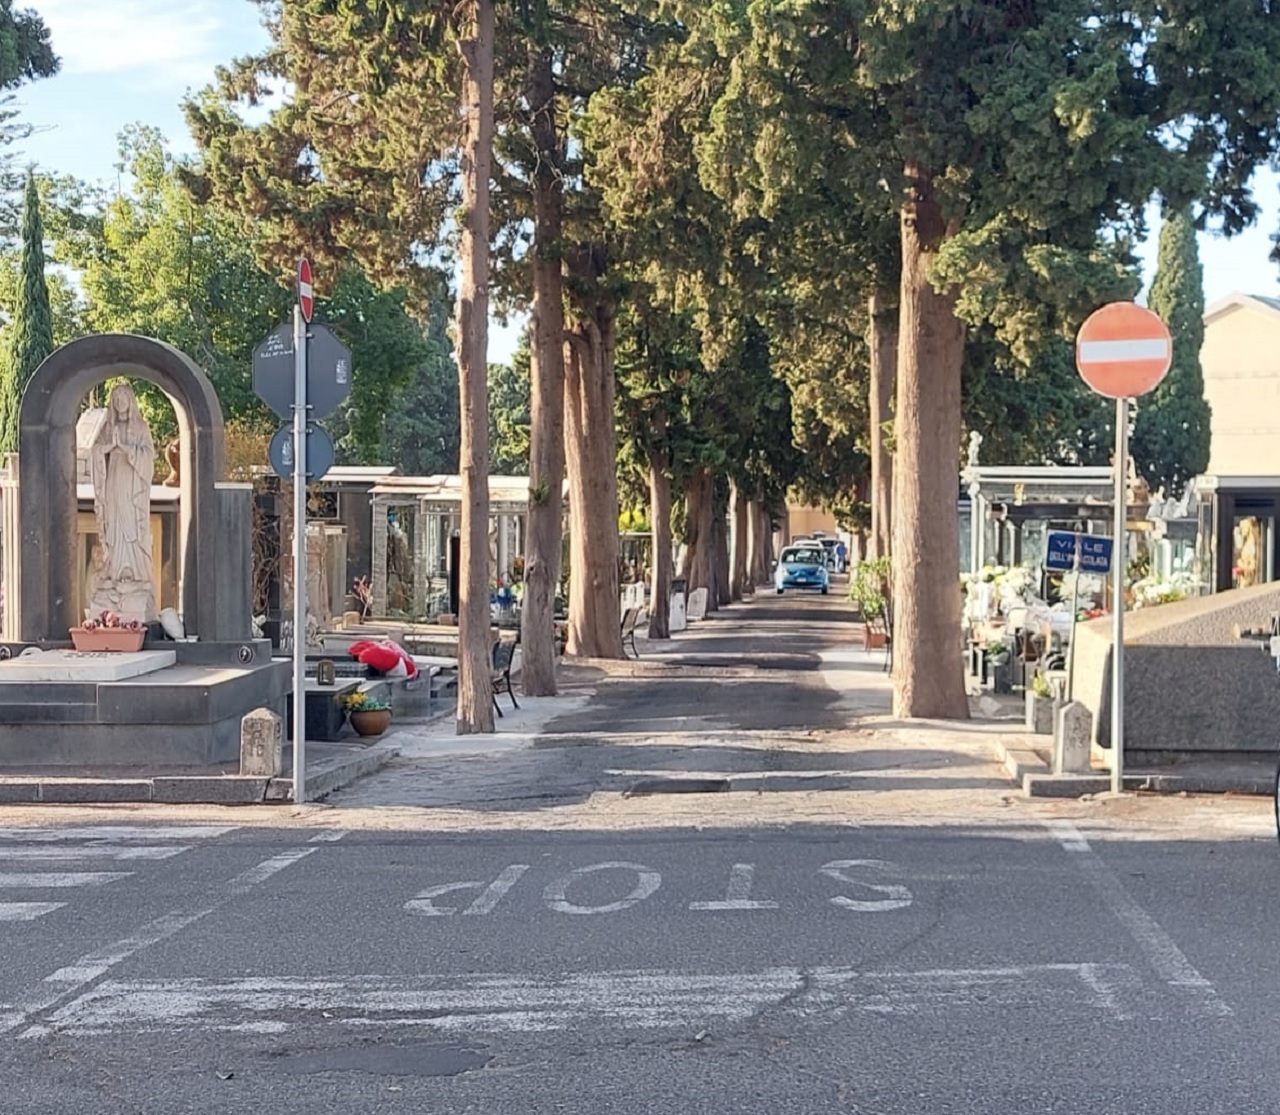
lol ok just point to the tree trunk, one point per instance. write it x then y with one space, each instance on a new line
761 544
738 577
591 455
883 346
720 595
697 532
660 525
546 395
928 670
475 686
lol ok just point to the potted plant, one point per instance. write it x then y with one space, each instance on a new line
107 632
370 715
869 590
1040 705
1000 659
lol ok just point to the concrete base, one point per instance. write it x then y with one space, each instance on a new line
181 715
72 665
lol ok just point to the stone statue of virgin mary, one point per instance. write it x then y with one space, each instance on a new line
122 462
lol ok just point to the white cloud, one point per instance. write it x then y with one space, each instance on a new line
158 42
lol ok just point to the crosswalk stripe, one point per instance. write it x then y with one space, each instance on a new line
61 853
52 880
110 833
27 911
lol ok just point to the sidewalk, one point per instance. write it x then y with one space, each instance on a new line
330 766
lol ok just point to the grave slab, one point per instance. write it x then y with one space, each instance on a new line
84 666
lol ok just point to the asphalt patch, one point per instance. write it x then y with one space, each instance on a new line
649 786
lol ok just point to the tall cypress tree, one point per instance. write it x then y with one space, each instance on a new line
1171 437
31 330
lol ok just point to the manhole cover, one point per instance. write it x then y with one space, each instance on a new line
390 1060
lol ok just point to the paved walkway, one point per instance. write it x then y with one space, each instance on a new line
771 698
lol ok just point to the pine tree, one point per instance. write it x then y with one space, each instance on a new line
1171 438
31 330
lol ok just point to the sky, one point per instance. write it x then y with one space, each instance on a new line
133 61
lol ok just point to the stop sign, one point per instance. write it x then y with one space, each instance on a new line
305 301
1123 350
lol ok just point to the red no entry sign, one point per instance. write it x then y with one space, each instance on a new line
1123 350
305 301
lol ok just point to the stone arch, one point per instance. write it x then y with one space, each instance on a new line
47 476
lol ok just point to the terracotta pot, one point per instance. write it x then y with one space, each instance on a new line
873 639
117 639
370 721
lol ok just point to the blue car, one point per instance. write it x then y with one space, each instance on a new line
802 567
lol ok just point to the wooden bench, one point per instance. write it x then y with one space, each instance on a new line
629 620
504 651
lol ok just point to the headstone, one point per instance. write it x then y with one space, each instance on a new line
84 666
261 744
1040 711
678 620
698 604
1074 730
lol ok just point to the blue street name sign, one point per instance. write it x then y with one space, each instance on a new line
1094 551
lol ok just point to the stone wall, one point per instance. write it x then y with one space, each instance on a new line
1191 685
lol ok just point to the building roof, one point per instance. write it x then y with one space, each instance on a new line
1259 302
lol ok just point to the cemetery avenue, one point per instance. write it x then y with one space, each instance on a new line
723 881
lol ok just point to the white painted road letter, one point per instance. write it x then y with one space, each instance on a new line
738 895
423 903
895 897
556 895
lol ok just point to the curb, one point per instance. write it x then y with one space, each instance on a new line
223 789
334 776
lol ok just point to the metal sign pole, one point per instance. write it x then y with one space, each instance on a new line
1118 564
1075 610
299 554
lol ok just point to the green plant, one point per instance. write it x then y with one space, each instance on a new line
365 702
869 587
1040 685
998 651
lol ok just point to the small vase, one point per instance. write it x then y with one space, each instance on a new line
370 721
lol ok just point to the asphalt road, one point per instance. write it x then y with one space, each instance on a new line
865 970
165 969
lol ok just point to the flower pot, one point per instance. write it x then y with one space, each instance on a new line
370 721
108 639
873 638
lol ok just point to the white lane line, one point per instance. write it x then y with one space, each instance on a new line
1168 961
331 837
76 978
63 853
54 880
268 867
93 965
487 1003
112 833
27 911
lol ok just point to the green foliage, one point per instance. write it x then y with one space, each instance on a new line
869 587
25 55
1171 436
509 414
152 261
29 337
422 424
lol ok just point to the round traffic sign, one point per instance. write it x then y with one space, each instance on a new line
305 300
1123 350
